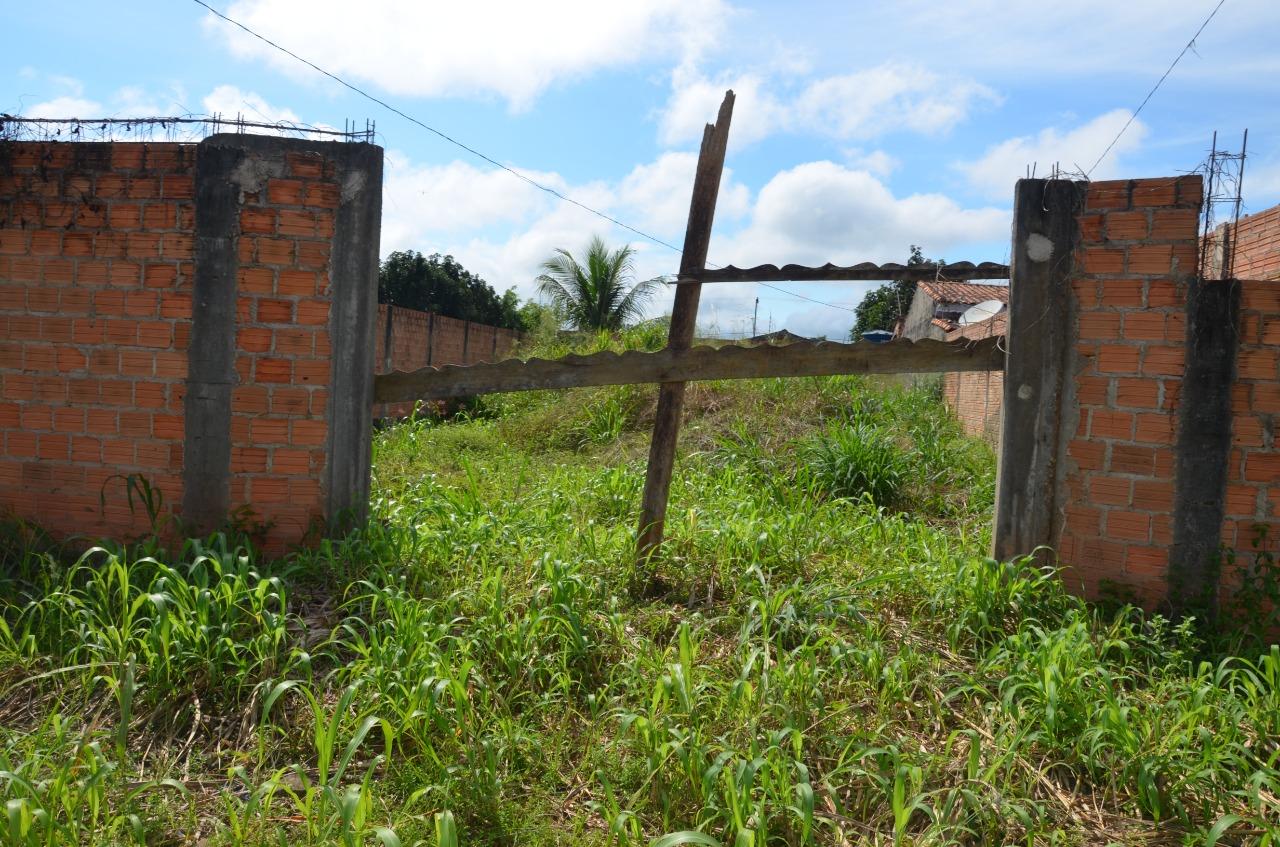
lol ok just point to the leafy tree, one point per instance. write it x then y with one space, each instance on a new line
440 284
596 294
882 308
540 323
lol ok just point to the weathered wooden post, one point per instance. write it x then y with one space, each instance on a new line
684 317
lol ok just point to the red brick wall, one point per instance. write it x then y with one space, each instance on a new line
419 339
278 423
976 398
1138 249
1255 245
96 263
1253 472
95 267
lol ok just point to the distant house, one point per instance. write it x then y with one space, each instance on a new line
936 309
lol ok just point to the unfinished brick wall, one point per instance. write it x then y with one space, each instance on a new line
1254 243
1139 439
1136 254
424 339
95 277
279 429
1253 469
183 314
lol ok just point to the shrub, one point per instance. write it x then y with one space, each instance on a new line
850 461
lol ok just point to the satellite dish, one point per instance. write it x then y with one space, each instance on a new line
984 311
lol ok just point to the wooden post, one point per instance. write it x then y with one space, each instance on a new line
684 316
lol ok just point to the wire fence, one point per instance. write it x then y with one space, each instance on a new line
174 129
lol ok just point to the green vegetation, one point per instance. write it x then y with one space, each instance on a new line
598 293
884 306
821 656
440 284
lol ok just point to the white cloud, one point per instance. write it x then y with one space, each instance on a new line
228 101
424 205
658 193
888 98
499 226
877 162
821 211
1076 149
503 228
66 107
513 50
1094 37
694 100
70 100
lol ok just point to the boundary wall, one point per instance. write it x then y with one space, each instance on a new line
1139 431
192 319
408 340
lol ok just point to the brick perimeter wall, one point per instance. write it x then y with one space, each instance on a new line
1253 471
420 339
97 262
1255 246
1137 255
976 397
95 305
279 426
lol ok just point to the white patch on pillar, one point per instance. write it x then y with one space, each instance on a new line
1039 248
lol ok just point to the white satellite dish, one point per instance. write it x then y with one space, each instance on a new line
984 311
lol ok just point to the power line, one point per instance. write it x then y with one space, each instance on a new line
810 299
1154 88
548 189
473 151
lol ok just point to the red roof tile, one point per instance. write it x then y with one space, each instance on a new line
965 292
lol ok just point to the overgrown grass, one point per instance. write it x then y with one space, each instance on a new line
822 655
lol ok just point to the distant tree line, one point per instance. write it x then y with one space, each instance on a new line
599 293
440 284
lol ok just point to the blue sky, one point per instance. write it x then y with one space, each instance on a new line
860 128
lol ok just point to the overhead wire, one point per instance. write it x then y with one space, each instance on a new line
473 151
1154 88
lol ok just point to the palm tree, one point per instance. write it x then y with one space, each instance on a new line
595 295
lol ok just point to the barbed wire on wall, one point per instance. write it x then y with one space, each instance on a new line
176 128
